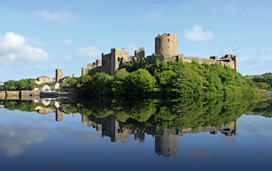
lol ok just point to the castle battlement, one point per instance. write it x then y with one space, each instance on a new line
166 49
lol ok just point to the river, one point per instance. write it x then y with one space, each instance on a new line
50 135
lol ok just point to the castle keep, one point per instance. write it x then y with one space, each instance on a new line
166 49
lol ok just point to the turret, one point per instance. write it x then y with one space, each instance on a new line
166 45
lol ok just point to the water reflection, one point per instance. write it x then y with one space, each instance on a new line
14 139
152 118
187 134
166 140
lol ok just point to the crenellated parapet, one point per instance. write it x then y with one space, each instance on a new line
111 62
92 68
139 54
166 50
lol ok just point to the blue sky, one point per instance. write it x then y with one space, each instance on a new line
36 37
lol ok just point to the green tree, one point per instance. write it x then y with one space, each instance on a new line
142 82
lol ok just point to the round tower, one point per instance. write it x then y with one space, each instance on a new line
166 45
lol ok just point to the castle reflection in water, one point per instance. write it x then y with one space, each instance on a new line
166 140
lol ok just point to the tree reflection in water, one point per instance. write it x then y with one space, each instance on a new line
165 120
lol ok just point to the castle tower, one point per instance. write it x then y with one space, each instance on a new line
235 62
112 61
59 75
166 144
166 45
59 115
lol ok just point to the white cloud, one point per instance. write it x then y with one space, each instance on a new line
198 34
14 49
61 17
32 41
67 42
90 51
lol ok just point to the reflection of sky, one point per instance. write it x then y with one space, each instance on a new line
14 139
70 145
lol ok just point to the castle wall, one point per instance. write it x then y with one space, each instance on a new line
13 95
106 63
118 57
92 68
166 45
166 49
154 59
28 95
84 71
230 62
111 62
139 54
2 95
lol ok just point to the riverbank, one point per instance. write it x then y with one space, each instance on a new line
263 94
29 94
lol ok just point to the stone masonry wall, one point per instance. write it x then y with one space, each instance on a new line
166 45
13 95
166 49
2 95
25 94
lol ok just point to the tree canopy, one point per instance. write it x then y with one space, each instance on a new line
164 79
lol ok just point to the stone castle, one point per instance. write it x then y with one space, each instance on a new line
166 49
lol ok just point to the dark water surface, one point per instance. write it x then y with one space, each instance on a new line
50 139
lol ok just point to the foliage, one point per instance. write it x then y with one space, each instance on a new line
176 79
70 82
142 81
20 105
42 84
89 86
263 108
263 81
169 113
163 79
24 84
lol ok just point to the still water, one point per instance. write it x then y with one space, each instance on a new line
45 135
